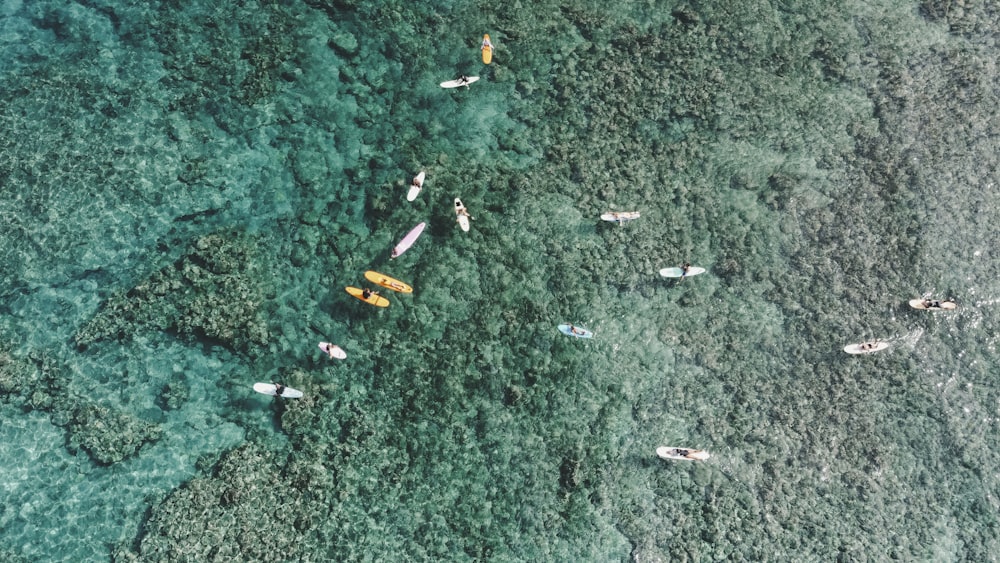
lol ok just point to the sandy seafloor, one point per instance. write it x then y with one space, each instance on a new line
187 187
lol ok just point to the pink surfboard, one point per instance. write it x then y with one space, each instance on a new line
408 240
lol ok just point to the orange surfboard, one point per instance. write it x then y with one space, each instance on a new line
387 282
487 49
373 299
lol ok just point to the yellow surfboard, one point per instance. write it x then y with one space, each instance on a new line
387 282
487 49
373 299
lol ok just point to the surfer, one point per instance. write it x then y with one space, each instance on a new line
463 81
487 44
279 389
367 293
575 330
685 269
328 348
391 284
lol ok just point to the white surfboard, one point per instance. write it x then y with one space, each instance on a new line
869 347
271 389
620 216
685 454
679 272
333 350
464 81
415 186
463 215
933 304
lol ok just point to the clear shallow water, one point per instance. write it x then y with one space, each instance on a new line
824 168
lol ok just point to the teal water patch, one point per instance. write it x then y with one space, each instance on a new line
181 175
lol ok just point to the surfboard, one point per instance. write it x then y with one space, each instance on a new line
270 389
933 305
686 454
456 83
333 350
679 272
580 332
620 216
408 240
373 299
487 49
869 347
387 282
463 215
415 186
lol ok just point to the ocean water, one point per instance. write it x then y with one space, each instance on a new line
187 187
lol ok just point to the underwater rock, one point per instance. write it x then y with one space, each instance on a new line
30 383
344 42
108 435
14 376
174 395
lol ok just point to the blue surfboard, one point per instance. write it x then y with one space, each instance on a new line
579 332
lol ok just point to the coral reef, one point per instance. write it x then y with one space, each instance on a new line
35 382
108 436
250 512
215 291
820 158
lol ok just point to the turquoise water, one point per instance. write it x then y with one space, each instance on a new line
186 189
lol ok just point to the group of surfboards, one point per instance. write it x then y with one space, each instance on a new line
486 48
687 270
371 296
923 304
681 272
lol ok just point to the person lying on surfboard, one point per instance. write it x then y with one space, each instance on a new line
391 284
367 293
575 330
328 348
487 44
